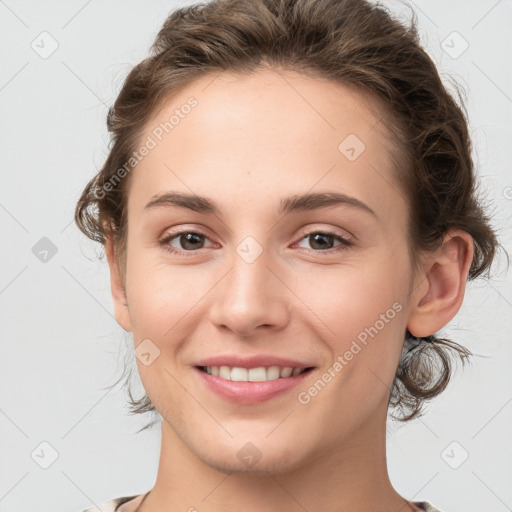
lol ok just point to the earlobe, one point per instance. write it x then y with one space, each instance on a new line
117 287
439 295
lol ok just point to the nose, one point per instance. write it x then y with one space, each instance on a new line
250 299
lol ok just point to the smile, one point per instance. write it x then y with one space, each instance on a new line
234 383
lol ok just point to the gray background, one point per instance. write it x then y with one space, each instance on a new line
61 347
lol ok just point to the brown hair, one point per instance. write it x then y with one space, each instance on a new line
351 42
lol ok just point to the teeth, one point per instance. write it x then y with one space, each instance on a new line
225 373
238 374
256 375
259 374
286 372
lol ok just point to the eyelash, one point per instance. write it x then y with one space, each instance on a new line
345 243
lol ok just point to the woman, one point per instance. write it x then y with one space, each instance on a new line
289 215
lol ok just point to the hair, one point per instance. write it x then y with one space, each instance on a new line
354 43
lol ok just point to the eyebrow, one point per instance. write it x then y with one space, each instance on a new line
302 202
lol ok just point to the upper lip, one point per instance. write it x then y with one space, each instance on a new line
254 361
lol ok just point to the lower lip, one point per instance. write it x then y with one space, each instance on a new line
251 392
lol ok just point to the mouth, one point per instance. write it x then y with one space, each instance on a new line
252 385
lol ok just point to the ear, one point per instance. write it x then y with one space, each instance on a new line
441 284
117 287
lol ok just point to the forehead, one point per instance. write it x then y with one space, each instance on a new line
269 132
266 102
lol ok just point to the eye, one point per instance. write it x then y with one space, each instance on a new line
324 241
187 241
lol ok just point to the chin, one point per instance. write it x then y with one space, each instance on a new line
258 458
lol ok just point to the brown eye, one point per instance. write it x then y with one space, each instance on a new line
184 242
324 241
190 241
321 241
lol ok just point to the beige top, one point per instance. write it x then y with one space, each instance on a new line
116 505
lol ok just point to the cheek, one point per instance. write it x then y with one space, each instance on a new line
166 301
160 298
348 297
361 326
361 311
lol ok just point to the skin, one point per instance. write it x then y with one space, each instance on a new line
249 142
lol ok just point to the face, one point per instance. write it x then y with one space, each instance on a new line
263 271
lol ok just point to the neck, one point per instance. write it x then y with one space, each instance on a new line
352 476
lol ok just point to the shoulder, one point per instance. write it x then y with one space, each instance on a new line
114 504
427 507
111 505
